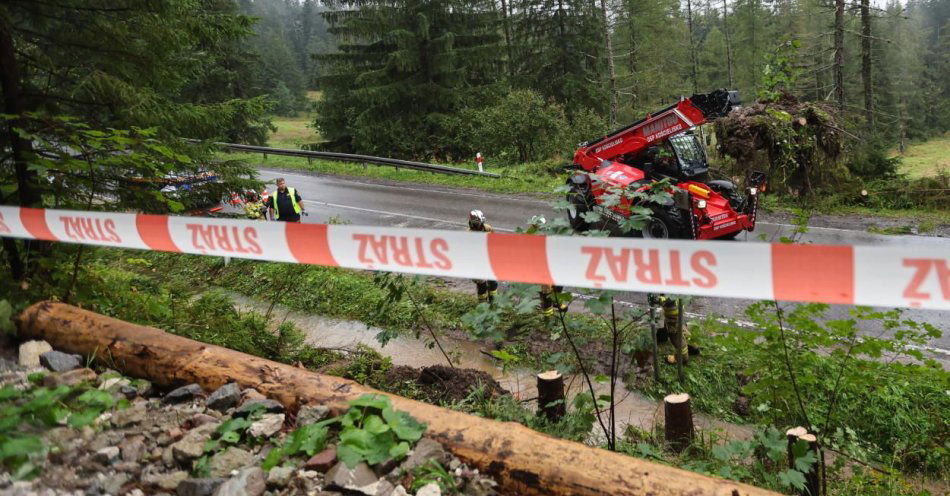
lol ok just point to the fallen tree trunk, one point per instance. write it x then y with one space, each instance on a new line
522 460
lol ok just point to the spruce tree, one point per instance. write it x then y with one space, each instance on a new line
403 71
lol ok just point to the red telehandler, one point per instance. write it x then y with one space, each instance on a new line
662 146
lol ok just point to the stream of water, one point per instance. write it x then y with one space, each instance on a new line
632 407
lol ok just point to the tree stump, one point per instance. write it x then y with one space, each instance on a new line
678 418
812 478
550 390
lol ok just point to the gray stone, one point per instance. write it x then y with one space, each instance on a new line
58 361
199 487
230 459
113 484
425 450
355 479
183 394
267 426
114 384
202 419
128 391
248 482
265 405
70 378
430 489
30 352
106 456
399 491
167 482
135 414
191 446
226 396
133 449
311 414
280 476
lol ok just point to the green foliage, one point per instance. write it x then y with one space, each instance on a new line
307 440
433 471
25 414
373 432
6 316
521 125
780 72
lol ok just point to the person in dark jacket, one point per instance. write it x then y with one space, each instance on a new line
285 204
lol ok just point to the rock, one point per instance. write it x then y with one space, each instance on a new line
322 461
251 394
128 391
430 489
191 446
248 482
30 352
355 479
142 387
70 378
266 406
399 491
58 361
113 484
425 450
133 449
202 419
279 476
167 482
226 396
183 394
199 487
382 487
311 414
114 384
106 456
135 414
230 459
267 426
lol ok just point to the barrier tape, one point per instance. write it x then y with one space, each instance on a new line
854 275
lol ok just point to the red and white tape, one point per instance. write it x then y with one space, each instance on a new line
859 275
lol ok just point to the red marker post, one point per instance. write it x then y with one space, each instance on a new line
478 161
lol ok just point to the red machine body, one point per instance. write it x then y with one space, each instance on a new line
616 161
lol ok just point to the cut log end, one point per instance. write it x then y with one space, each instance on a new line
678 419
796 432
550 375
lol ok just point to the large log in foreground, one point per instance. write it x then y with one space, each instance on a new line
522 460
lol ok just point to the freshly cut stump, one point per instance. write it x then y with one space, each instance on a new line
678 418
523 461
551 390
812 479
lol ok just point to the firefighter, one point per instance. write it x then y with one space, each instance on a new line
671 327
549 293
486 289
254 208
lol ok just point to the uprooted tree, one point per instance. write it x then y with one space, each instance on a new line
798 144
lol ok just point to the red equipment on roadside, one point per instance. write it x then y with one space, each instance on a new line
661 146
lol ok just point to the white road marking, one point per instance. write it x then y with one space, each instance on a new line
394 214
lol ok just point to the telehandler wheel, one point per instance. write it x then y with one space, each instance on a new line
667 223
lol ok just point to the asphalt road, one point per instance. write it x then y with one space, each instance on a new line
371 202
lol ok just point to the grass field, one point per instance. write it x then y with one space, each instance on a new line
928 158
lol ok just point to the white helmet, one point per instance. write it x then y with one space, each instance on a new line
476 219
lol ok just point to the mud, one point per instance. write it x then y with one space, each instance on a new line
443 385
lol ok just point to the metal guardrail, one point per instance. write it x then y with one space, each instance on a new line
348 157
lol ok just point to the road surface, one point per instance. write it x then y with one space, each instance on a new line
363 201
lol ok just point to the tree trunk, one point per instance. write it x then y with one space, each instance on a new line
506 26
812 479
866 62
692 45
838 65
678 421
522 460
551 390
13 104
611 70
725 30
